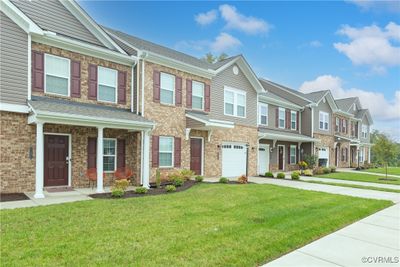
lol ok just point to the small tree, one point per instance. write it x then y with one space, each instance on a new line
210 58
384 150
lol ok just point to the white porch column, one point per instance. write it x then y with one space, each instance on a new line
146 159
39 161
99 160
369 154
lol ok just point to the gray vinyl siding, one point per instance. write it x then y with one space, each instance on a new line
306 121
272 120
240 82
325 108
51 15
365 122
13 62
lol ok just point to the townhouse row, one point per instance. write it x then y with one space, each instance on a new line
75 95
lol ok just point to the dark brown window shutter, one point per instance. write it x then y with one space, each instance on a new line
120 153
288 154
75 78
92 82
189 93
37 71
277 118
155 150
297 120
121 87
207 94
177 152
156 86
178 91
287 119
92 152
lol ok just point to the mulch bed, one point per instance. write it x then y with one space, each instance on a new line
13 197
150 192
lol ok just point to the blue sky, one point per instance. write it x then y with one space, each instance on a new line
352 47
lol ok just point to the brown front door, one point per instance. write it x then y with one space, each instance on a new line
55 160
280 157
196 155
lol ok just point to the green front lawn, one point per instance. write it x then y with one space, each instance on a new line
355 186
362 177
391 170
208 225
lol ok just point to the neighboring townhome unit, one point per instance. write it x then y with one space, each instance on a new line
67 106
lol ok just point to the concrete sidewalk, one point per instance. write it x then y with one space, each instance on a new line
330 180
359 244
363 172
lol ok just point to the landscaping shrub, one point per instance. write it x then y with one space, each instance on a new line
186 174
199 178
302 165
117 192
269 174
170 188
178 181
307 173
223 180
326 170
295 175
158 178
311 160
333 168
280 175
175 175
318 170
243 179
141 190
121 184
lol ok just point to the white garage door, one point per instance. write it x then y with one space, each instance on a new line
323 156
233 159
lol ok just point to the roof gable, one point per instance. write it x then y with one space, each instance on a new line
327 95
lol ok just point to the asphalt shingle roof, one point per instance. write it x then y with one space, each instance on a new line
316 96
344 104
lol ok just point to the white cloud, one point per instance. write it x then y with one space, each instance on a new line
371 45
235 20
206 18
380 107
224 42
389 6
315 43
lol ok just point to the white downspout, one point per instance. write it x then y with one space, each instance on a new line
137 87
29 67
132 81
312 130
142 96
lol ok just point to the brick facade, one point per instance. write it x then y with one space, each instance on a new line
327 141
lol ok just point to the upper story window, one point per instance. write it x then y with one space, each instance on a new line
235 103
337 123
107 84
57 75
109 154
197 95
344 126
323 121
167 88
364 131
293 120
166 151
282 118
263 114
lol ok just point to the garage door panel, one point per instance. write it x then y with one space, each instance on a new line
233 159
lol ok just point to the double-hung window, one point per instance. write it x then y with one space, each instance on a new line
344 125
109 154
167 88
197 95
282 118
234 103
263 114
292 154
293 120
107 84
166 151
364 131
323 121
337 123
57 76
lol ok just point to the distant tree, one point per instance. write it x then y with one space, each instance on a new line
210 58
384 150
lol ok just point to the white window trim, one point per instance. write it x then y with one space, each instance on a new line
337 124
364 133
291 120
173 89
173 152
116 85
115 156
259 113
323 120
295 154
69 75
202 96
344 129
235 104
284 118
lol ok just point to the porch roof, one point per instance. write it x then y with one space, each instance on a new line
264 133
59 111
202 121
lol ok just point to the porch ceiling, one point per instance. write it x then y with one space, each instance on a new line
58 111
283 136
201 121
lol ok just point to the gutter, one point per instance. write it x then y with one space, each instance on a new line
132 80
